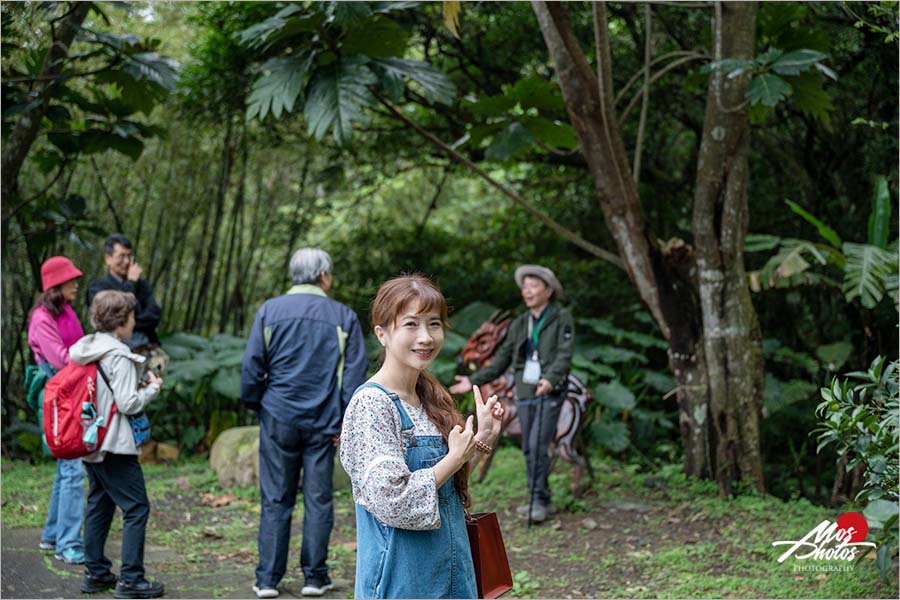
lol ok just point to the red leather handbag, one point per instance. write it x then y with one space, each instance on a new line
492 572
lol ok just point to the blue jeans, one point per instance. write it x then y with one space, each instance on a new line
63 526
285 451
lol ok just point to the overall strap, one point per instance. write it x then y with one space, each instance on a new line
405 421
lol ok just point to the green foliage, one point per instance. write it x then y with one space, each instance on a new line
860 416
277 90
338 94
870 271
202 390
358 51
826 232
108 78
880 217
866 273
776 74
627 412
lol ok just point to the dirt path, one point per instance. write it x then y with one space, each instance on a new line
632 535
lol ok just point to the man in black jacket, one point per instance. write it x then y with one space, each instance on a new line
125 276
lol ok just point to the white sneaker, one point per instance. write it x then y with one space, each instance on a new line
316 587
265 592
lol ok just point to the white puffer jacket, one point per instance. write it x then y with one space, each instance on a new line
123 368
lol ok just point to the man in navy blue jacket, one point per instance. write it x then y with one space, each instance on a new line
304 359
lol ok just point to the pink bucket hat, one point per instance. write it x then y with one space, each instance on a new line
57 270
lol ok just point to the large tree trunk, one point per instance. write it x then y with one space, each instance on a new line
731 335
17 146
702 308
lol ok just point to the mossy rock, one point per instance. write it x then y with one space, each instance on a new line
234 457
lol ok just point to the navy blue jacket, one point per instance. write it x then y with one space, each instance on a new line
304 359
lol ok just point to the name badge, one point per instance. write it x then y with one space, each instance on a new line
532 373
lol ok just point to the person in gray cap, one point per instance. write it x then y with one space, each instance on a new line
539 346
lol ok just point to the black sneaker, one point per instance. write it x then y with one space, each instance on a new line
92 584
316 587
139 589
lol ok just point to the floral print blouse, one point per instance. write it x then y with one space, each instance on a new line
373 454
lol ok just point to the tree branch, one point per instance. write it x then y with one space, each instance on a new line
514 196
655 61
109 200
656 76
636 169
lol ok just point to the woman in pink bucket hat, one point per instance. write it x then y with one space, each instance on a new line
53 327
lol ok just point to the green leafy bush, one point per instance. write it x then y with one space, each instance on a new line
859 415
202 390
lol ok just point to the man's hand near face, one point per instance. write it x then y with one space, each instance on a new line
134 272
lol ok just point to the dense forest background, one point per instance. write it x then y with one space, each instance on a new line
220 137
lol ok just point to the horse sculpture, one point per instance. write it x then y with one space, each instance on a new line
567 442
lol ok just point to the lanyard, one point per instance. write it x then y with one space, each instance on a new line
536 334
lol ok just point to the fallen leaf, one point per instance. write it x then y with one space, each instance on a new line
822 576
217 501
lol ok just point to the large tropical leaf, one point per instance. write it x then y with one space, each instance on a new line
553 133
286 23
434 83
615 396
510 142
866 273
377 37
880 217
810 97
469 318
794 63
767 89
345 13
537 92
612 435
280 86
338 95
794 257
154 67
825 231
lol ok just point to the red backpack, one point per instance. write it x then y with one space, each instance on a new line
71 410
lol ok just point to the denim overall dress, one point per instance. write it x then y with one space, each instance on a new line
406 563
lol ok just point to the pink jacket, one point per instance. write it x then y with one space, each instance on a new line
50 337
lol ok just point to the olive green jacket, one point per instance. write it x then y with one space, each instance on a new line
556 344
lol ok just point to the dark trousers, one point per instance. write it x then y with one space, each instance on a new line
284 452
536 438
117 481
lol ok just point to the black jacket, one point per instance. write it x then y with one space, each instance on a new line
147 313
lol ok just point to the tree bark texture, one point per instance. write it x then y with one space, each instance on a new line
698 297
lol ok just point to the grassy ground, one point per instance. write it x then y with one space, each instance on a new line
631 535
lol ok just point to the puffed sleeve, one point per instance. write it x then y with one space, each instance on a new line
372 454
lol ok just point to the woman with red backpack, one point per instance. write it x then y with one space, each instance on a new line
53 327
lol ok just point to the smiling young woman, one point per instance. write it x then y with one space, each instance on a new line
402 442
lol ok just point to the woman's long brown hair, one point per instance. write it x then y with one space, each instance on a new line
393 297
